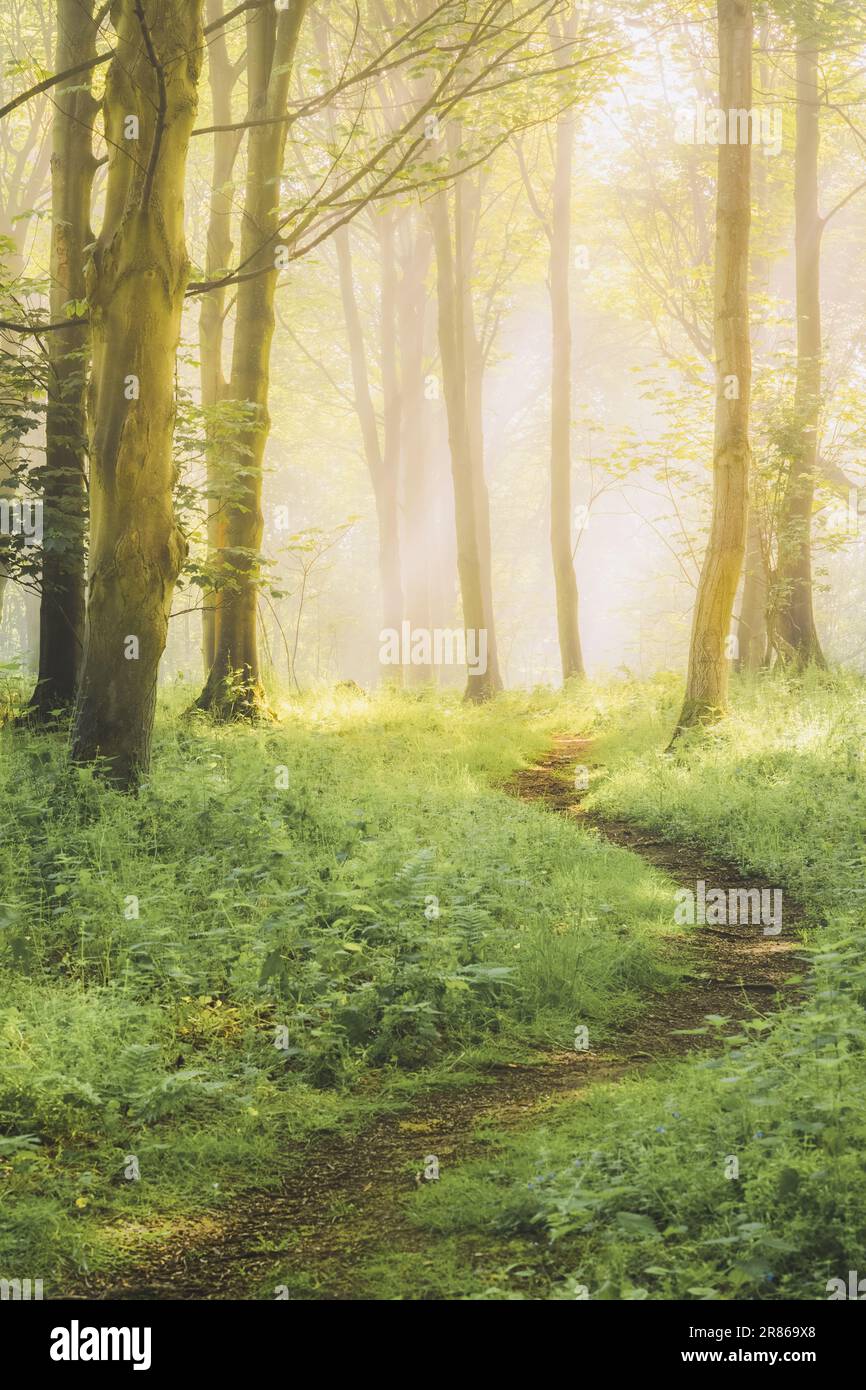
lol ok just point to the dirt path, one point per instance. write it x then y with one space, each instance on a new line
343 1200
736 968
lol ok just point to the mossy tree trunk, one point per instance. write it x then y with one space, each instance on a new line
233 689
136 281
61 620
707 681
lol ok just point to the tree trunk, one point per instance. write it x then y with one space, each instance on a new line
467 210
136 282
226 143
233 689
479 685
28 154
382 456
707 682
795 622
752 627
389 509
415 454
382 469
560 407
61 618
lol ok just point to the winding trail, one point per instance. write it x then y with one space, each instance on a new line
342 1202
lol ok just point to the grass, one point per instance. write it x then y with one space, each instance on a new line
779 785
350 884
736 1176
287 928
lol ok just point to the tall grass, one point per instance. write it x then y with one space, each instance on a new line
738 1176
191 975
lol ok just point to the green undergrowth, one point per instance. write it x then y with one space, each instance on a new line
288 927
728 1177
720 1177
778 786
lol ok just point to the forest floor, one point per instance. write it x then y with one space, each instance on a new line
242 1011
340 1224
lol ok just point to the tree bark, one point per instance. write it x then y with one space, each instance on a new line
707 681
226 143
61 618
795 630
136 282
233 689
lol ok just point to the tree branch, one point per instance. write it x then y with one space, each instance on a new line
52 81
162 106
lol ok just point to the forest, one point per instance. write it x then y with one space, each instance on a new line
433 651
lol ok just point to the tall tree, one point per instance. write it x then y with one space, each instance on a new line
752 623
381 450
707 680
233 688
562 35
467 215
794 626
136 282
223 75
415 451
61 621
24 165
450 289
392 412
752 636
381 462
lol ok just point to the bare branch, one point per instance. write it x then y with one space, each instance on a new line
53 81
162 106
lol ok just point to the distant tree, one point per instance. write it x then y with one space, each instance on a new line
794 619
223 75
233 688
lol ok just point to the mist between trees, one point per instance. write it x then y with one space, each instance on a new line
432 632
325 324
